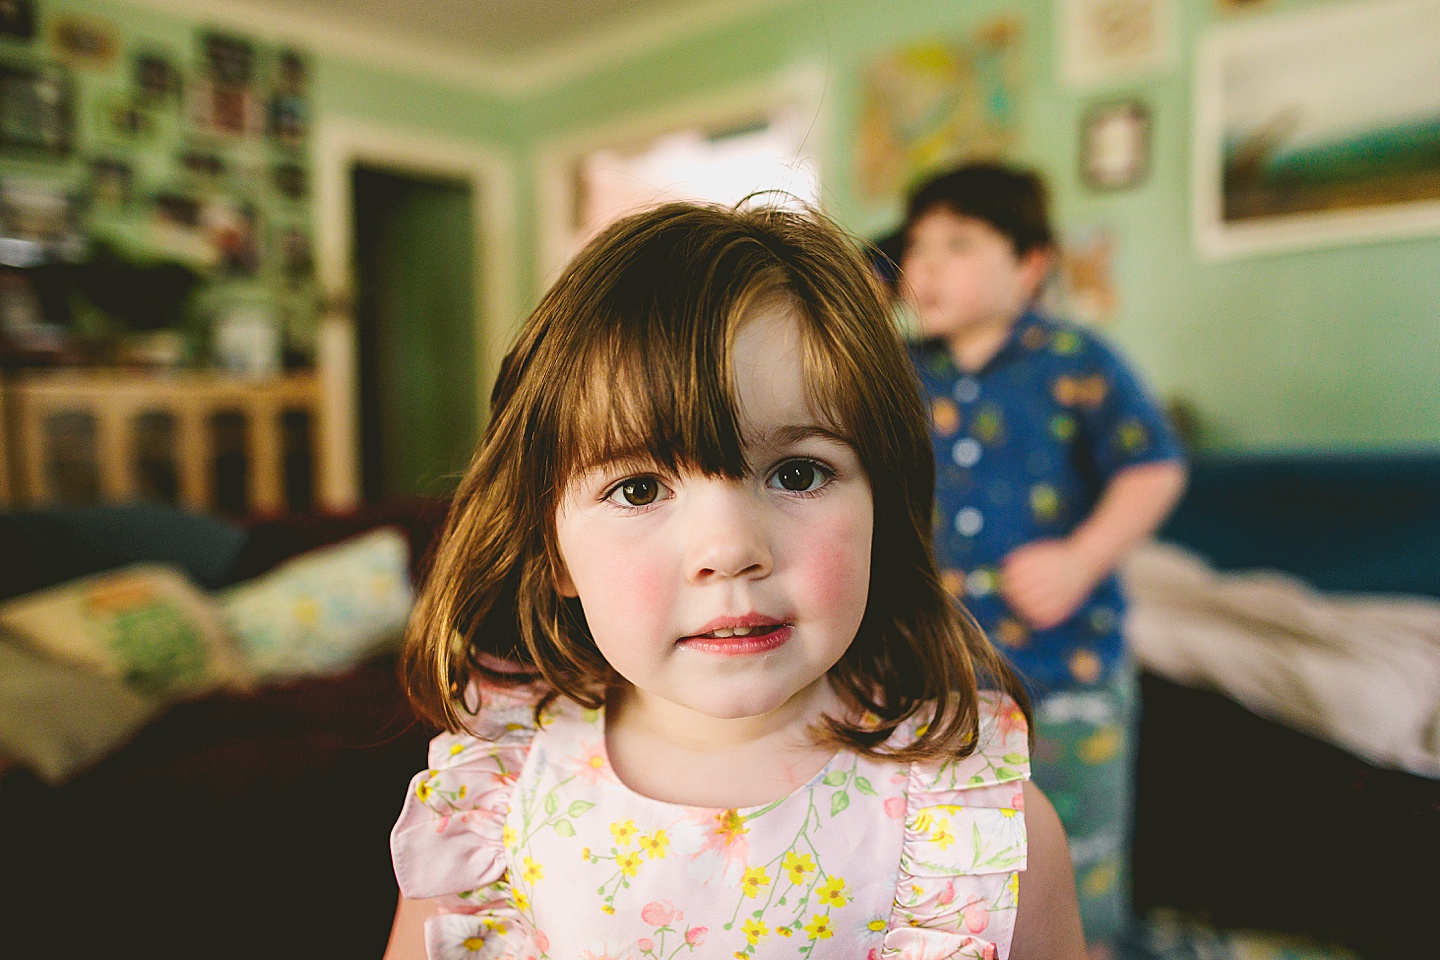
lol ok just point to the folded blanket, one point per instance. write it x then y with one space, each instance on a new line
1359 671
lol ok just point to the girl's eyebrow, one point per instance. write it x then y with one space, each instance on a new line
791 434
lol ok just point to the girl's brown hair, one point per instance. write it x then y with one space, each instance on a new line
629 355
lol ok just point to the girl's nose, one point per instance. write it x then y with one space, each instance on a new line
728 537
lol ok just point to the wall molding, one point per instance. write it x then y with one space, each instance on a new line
515 76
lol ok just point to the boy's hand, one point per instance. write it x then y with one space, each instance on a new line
1046 581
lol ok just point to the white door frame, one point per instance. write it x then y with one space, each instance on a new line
338 147
801 88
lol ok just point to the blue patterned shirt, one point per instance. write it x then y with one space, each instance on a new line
1024 448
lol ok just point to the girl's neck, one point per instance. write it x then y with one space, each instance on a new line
668 752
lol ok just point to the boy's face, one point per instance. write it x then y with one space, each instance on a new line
962 276
668 566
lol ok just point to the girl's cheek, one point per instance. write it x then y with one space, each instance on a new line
835 558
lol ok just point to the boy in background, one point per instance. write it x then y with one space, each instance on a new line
1052 462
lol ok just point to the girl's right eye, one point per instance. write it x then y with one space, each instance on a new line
637 492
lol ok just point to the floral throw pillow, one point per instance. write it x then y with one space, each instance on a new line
147 625
324 610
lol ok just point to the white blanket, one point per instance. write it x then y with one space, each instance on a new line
1359 671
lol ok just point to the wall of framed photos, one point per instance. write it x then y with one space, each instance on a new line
182 146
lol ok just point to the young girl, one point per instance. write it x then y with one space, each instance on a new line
705 693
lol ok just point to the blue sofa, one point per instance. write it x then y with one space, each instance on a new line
1289 833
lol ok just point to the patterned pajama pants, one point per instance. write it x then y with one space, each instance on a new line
1084 761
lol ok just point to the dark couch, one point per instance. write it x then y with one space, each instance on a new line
1247 823
238 825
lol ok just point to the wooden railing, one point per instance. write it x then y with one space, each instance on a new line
113 404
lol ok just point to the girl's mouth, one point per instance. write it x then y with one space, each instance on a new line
739 641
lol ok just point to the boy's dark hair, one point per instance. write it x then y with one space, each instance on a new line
1012 200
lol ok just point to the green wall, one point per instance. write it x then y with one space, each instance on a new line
1331 348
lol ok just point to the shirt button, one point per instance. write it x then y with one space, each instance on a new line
968 522
967 389
966 452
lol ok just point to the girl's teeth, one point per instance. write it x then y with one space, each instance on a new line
723 632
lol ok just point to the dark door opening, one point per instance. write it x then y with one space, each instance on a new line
416 331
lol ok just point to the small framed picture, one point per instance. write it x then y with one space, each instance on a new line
156 78
229 60
296 256
17 19
176 209
291 181
111 183
206 164
37 108
84 41
1115 145
130 120
289 106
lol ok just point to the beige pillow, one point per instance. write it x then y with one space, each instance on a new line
60 720
146 625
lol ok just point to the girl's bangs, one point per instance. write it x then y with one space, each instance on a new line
663 394
643 395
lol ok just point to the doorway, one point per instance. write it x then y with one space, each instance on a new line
415 289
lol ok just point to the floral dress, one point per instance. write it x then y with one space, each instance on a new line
536 850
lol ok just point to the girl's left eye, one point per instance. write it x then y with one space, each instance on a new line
800 476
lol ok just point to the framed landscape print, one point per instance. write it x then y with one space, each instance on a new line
1318 128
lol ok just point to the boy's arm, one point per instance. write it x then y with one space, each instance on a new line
1046 581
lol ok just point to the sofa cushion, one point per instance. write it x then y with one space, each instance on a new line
325 610
58 720
146 625
42 548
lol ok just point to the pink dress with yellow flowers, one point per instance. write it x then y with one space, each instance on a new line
536 850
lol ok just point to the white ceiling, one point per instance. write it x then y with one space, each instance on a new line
514 44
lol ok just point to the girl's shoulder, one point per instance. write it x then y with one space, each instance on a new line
965 841
449 838
1002 740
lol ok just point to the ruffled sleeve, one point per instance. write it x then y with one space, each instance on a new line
964 847
449 842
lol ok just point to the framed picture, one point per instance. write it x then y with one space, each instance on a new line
229 60
111 183
201 162
1318 128
17 19
36 108
289 107
84 41
291 181
1115 145
296 256
1104 41
156 78
931 105
129 119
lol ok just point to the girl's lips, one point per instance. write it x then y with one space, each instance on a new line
760 640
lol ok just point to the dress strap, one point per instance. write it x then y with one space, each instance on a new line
964 846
